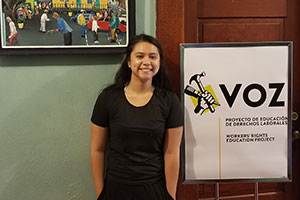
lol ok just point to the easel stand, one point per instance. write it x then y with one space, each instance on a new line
217 191
256 191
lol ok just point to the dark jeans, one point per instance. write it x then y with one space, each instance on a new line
120 191
68 38
95 36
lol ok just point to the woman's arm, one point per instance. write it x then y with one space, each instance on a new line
171 156
97 156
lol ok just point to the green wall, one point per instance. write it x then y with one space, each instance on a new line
45 107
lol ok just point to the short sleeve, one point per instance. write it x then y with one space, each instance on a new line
100 113
175 117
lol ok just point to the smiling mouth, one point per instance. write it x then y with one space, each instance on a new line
146 69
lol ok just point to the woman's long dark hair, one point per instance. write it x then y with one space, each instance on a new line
123 76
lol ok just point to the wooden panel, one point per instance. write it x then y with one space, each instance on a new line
240 189
240 30
187 191
190 21
243 191
189 28
292 31
242 8
270 187
207 190
170 33
246 197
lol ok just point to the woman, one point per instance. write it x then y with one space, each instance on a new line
13 33
140 119
95 29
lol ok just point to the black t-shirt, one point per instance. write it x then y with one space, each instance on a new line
136 134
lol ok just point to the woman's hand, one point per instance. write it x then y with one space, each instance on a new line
97 156
171 157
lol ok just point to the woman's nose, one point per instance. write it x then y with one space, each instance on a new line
146 60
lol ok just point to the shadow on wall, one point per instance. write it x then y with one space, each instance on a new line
60 60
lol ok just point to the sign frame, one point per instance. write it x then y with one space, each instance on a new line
197 180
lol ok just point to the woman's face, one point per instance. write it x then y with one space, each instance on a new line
144 61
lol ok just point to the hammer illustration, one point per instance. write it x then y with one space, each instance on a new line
189 90
196 78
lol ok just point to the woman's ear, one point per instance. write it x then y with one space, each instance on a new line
128 63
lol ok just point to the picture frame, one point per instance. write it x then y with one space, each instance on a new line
67 27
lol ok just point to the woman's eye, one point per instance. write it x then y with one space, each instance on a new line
153 57
139 56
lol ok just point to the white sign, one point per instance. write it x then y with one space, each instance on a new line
237 109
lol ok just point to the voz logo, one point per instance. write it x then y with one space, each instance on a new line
204 98
230 98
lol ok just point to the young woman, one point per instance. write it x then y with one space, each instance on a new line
140 120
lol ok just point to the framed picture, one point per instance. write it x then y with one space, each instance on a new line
66 26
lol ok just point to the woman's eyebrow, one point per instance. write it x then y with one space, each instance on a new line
142 52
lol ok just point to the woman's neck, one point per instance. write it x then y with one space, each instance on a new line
140 87
138 94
